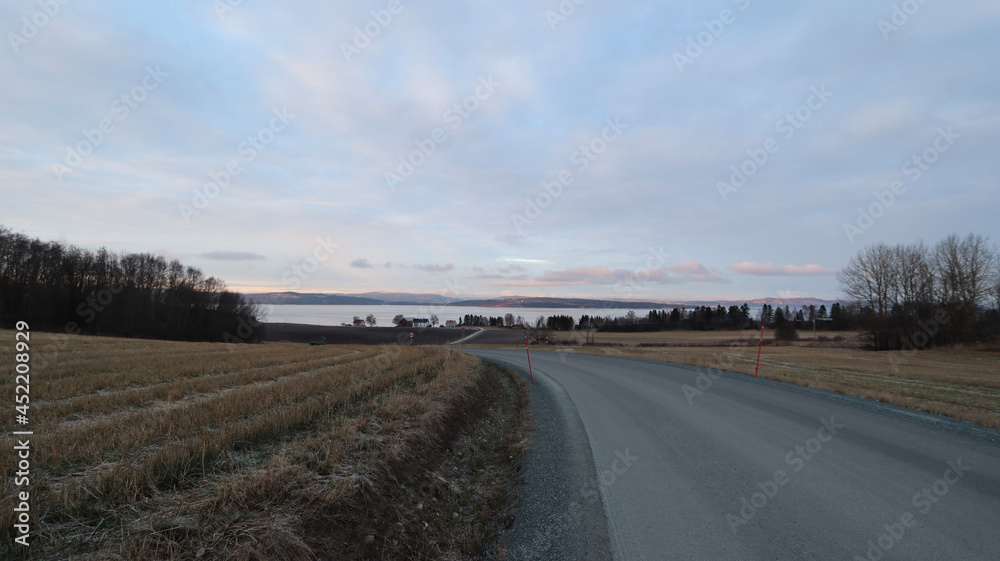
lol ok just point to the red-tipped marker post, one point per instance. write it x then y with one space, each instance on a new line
530 375
759 349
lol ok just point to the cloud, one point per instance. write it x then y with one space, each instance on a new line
232 256
579 275
357 120
770 270
434 268
693 271
361 264
687 272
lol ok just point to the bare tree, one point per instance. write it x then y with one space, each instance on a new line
914 274
870 278
508 320
370 320
398 319
434 320
964 271
996 282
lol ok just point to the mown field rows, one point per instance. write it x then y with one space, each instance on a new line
126 429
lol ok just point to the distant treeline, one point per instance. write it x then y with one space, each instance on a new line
702 318
914 296
707 318
49 284
487 321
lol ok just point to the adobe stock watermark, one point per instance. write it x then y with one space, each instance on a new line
581 160
699 42
224 7
912 170
787 127
927 330
796 460
245 329
627 288
301 270
923 502
454 116
246 153
295 274
563 12
590 493
655 262
365 34
901 14
707 375
32 25
121 107
452 290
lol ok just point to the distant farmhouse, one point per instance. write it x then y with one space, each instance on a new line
415 322
359 323
451 323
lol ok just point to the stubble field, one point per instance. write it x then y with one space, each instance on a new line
162 450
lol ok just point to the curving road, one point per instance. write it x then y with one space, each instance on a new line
695 464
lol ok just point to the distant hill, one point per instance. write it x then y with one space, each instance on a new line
321 299
536 302
407 298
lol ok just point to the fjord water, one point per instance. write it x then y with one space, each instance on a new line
339 314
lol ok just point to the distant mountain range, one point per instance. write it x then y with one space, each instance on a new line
404 298
300 298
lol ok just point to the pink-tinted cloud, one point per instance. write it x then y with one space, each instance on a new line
771 270
579 275
691 271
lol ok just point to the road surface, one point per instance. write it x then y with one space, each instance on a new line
696 464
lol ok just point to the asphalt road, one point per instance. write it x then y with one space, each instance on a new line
697 464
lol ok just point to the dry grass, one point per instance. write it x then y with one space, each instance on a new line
161 450
689 338
962 383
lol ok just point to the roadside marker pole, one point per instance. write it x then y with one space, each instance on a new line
530 375
759 348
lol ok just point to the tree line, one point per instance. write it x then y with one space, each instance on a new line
701 318
707 318
913 296
508 320
50 284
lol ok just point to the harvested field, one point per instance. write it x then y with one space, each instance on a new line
163 450
962 383
683 338
680 338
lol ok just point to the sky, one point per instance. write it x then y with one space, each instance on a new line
732 149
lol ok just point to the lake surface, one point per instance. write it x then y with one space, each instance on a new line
338 314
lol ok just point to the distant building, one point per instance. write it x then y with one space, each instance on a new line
359 323
415 322
450 323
